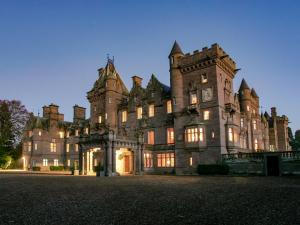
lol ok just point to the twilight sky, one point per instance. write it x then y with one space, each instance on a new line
50 50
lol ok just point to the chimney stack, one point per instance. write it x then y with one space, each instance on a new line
137 81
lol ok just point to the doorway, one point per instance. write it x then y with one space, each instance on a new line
272 166
124 161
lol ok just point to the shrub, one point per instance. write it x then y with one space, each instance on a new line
213 169
36 168
56 168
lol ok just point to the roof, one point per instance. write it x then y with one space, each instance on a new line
244 85
253 93
176 49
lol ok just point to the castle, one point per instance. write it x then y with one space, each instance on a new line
157 128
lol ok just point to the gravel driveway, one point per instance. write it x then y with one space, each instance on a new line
42 199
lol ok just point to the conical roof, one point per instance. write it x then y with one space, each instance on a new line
38 123
253 93
176 49
244 85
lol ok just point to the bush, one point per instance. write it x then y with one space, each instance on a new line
213 169
36 168
56 168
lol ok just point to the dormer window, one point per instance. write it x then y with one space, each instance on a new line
193 98
204 78
151 110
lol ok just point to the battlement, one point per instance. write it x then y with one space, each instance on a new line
207 56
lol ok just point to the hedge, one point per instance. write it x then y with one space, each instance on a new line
36 168
57 168
213 169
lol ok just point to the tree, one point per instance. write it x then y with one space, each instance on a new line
297 139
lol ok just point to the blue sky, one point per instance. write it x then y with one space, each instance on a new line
50 50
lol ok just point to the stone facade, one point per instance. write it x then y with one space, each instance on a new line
156 128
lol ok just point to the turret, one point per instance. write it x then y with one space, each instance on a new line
245 96
176 79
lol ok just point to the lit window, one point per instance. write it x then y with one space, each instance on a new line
29 146
45 162
68 134
76 147
61 134
248 108
253 111
206 115
230 134
204 78
151 110
53 147
170 135
201 134
76 132
55 162
86 130
30 133
40 133
165 160
99 119
67 147
148 160
254 124
242 122
35 146
124 116
255 144
193 99
191 161
139 113
68 162
212 134
106 116
169 106
151 137
192 134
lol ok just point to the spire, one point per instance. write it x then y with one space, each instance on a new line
176 49
244 85
253 93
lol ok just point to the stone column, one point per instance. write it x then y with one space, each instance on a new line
88 162
109 159
91 161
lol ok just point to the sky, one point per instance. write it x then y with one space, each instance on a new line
50 50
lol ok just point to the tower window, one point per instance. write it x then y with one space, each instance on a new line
109 100
206 115
230 134
151 110
151 137
35 146
139 113
194 134
67 147
76 147
204 78
191 161
40 133
61 134
193 98
29 146
124 116
242 122
170 135
255 144
99 119
248 108
169 106
254 124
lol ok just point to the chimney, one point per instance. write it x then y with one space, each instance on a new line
79 113
137 81
273 112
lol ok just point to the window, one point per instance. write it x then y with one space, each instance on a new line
148 160
55 162
204 78
254 124
139 113
109 100
152 94
272 148
151 110
193 99
253 111
68 162
76 147
165 160
174 100
255 144
124 116
151 137
86 130
169 106
68 148
206 115
29 133
29 146
53 147
170 135
248 108
35 146
230 134
106 116
68 134
45 162
191 161
99 119
213 134
242 122
61 134
40 133
192 134
76 132
201 134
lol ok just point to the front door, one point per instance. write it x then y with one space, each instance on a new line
127 163
272 165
